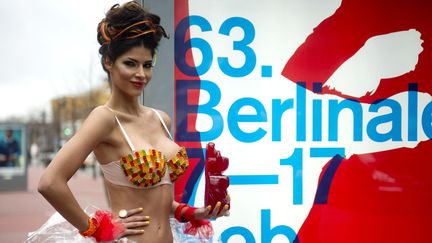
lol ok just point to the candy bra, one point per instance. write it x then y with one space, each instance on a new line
144 169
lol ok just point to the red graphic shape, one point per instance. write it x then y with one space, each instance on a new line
183 185
340 36
377 197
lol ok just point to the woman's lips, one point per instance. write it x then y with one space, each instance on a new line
138 85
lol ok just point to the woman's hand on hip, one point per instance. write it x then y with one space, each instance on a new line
133 221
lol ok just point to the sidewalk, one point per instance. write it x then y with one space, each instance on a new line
25 211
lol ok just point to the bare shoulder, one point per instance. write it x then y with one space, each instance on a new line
100 120
166 118
94 130
102 114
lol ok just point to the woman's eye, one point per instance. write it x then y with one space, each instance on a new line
148 65
129 64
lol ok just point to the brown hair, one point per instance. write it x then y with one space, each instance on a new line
126 26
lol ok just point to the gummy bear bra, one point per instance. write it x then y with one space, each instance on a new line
145 169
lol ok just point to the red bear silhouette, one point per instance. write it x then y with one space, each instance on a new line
216 183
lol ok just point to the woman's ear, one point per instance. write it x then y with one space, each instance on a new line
107 64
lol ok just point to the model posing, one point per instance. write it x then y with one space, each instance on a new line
137 155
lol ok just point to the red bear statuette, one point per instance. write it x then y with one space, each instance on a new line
216 183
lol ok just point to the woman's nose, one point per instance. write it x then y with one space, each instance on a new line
140 72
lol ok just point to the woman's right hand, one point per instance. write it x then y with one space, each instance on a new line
132 221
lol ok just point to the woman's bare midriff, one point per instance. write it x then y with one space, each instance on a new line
156 203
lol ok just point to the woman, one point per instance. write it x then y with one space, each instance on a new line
126 138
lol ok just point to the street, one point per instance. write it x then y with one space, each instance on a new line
22 212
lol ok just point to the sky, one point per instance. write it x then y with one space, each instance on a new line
48 49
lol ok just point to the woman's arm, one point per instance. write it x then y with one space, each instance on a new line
53 183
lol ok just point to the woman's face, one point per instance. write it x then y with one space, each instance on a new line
131 71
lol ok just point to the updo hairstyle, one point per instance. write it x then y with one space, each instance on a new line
126 26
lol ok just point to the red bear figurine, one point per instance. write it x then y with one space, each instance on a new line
216 183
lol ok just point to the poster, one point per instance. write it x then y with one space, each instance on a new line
12 150
323 108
